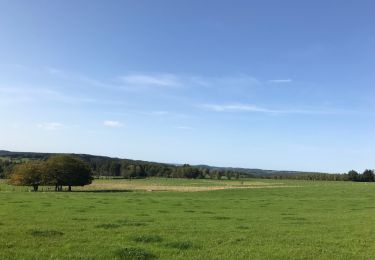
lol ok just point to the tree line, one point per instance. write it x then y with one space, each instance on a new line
6 167
102 166
39 171
366 176
131 170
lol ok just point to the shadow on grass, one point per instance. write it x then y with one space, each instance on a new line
108 226
135 253
182 245
146 238
45 233
101 191
126 222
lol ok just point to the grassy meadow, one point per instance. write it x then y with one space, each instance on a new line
190 219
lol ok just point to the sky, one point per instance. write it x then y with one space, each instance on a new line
284 85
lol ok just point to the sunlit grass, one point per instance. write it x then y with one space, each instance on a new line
301 220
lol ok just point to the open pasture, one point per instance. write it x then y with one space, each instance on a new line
253 219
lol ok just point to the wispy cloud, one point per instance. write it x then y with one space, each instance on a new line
31 93
126 82
51 126
182 127
56 72
163 80
83 80
141 81
236 107
280 81
111 123
254 108
22 94
25 90
156 113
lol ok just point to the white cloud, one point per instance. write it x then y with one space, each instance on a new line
184 127
226 82
120 83
237 107
253 108
156 113
82 79
114 124
163 80
280 81
51 126
26 91
56 72
31 93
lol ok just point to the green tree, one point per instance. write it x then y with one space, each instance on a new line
1 170
132 171
115 169
187 171
368 176
228 175
66 170
28 174
353 175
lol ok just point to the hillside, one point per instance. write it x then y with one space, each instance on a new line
110 166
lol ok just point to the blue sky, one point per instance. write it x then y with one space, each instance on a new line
262 84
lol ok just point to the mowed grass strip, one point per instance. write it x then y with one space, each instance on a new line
182 185
161 184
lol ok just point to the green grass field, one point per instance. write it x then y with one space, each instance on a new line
255 219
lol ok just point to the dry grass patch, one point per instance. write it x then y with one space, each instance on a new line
205 185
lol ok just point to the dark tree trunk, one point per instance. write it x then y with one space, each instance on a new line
70 188
56 188
35 187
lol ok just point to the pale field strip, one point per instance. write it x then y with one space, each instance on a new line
133 185
163 185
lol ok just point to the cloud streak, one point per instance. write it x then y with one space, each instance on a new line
36 93
112 124
156 113
134 82
185 90
256 109
161 80
236 108
51 126
183 127
17 94
280 81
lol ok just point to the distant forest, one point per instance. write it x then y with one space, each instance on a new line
108 167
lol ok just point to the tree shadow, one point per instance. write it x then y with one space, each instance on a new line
101 191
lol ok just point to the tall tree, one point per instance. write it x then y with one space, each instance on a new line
353 175
28 174
368 176
65 170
